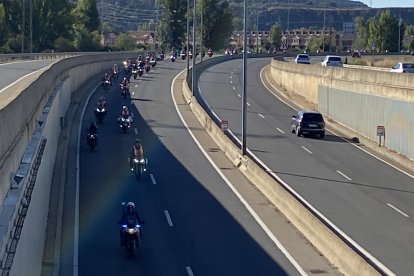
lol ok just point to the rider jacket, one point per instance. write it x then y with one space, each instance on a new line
138 151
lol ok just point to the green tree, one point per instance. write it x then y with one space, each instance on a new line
384 31
173 24
361 29
237 23
125 42
86 14
275 35
314 43
217 24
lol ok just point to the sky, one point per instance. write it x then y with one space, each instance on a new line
389 3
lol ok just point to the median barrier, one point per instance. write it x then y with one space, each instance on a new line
331 242
28 149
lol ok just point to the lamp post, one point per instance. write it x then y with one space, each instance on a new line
201 32
244 96
188 36
399 35
193 75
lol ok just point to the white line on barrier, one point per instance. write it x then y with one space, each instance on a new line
398 210
269 233
167 215
306 149
189 271
344 175
281 131
261 115
153 179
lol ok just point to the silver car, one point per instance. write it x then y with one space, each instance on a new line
335 61
302 58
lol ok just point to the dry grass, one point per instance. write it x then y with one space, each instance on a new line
379 61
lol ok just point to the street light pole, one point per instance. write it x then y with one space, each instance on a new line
193 75
188 36
399 35
244 96
201 31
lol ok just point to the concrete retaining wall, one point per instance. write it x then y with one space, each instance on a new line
337 92
46 99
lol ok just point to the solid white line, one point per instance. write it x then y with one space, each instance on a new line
189 271
238 95
153 179
136 131
398 210
13 83
248 104
281 131
336 134
239 196
306 149
344 175
261 115
76 219
167 215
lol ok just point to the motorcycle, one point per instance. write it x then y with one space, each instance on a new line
153 63
140 71
147 68
210 53
115 75
125 123
161 56
172 58
124 90
135 73
131 234
139 166
100 113
183 55
106 84
92 141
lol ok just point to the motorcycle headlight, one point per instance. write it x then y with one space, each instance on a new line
142 160
131 230
136 160
103 109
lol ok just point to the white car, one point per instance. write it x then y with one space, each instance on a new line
302 58
335 61
403 67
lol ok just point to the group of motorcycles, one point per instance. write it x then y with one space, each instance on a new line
183 54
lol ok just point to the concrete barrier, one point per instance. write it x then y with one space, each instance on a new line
359 99
337 248
33 133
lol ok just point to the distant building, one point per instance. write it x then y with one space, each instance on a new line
108 39
143 37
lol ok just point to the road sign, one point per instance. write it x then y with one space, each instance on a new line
381 131
224 125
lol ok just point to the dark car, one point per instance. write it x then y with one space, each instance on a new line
308 123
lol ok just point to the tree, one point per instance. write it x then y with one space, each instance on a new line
361 29
314 43
86 14
173 24
275 35
125 42
384 31
217 24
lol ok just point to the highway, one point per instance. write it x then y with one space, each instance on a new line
370 201
194 224
11 72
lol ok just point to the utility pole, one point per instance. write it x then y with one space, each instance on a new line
201 30
193 75
31 26
323 32
188 37
23 22
244 94
257 29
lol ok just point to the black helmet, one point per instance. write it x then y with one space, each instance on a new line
130 207
137 141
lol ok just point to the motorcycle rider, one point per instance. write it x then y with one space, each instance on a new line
130 214
101 103
125 112
93 128
136 151
125 84
106 78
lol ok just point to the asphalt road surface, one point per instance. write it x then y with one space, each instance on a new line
370 201
194 224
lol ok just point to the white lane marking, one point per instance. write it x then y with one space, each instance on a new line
136 131
234 88
153 179
136 85
248 104
306 149
133 93
398 210
344 175
231 75
167 215
239 196
13 83
189 271
281 131
261 115
231 82
336 134
232 72
238 95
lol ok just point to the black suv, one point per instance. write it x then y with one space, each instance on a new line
308 122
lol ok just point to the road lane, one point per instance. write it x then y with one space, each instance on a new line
11 72
207 230
348 186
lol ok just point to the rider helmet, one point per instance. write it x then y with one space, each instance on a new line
130 207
